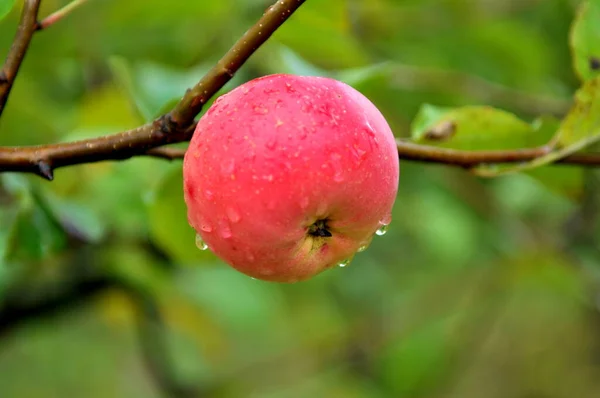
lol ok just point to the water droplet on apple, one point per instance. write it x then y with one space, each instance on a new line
228 167
250 257
225 230
383 228
358 153
208 194
260 110
344 262
289 88
271 143
338 175
270 90
304 203
386 220
362 248
233 214
369 128
303 133
200 244
205 226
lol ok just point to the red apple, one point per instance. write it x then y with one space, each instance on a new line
287 176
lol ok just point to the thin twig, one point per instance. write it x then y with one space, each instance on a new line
453 157
175 126
450 157
17 51
59 14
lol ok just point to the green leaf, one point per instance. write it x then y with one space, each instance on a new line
414 363
152 86
5 7
474 128
253 305
31 232
579 130
155 88
167 218
290 62
585 40
80 219
322 34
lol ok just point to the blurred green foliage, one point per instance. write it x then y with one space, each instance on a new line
481 288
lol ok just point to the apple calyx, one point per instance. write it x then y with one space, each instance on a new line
320 229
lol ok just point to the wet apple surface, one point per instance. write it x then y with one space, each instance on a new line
287 176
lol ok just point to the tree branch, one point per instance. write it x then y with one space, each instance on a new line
27 27
178 125
175 126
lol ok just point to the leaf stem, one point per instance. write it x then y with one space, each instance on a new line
59 14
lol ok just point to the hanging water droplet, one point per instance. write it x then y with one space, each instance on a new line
382 230
344 263
233 214
200 244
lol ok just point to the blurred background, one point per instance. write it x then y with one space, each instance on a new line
481 287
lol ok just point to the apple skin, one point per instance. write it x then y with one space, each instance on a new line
281 162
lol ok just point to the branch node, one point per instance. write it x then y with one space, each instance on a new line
167 125
44 169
